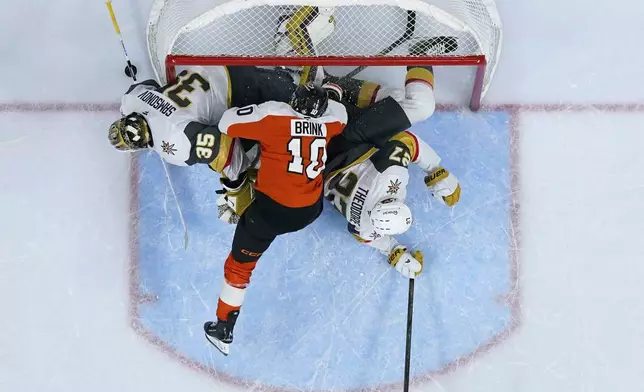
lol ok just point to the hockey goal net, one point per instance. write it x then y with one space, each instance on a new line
242 32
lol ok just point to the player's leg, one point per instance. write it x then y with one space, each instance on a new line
365 93
417 99
252 85
260 224
252 238
393 111
275 84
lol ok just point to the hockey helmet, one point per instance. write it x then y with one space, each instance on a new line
310 100
130 133
390 217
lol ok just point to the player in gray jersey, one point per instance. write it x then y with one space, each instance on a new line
368 186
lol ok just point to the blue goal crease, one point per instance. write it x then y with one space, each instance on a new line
323 311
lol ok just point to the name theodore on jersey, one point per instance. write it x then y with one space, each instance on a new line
357 203
158 103
307 128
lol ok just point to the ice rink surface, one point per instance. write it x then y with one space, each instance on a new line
533 280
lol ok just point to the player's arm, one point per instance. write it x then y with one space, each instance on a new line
408 263
129 103
443 184
219 151
420 152
149 84
384 244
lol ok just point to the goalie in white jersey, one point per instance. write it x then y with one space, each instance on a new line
368 186
179 120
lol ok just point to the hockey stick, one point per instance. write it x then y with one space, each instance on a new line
176 200
409 31
410 313
130 69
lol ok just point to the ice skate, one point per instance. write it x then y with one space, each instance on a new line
220 333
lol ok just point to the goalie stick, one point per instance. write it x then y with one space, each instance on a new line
176 201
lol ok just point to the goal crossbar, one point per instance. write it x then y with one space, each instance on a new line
479 61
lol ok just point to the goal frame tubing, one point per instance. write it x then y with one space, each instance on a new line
479 61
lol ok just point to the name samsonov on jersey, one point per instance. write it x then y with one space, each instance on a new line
157 102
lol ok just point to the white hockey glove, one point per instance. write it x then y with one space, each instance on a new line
235 198
444 186
410 265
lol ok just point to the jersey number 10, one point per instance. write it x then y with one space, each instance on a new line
317 154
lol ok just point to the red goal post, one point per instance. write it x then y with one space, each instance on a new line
241 32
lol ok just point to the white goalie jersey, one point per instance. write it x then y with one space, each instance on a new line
179 116
376 175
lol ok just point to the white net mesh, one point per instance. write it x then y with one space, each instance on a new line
246 28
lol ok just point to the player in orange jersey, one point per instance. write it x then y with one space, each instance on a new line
288 191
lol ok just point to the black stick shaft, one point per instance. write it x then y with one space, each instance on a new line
132 70
409 31
410 314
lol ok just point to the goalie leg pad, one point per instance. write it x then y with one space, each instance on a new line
302 31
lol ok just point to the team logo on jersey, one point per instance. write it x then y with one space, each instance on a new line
168 148
374 236
394 187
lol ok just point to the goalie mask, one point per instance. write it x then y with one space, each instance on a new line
390 217
130 133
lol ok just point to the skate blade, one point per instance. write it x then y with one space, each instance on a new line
221 346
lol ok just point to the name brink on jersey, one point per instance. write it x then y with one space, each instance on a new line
158 103
307 128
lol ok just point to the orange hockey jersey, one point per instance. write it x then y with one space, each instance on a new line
293 147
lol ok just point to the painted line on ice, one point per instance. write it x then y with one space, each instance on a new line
546 107
512 298
22 107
